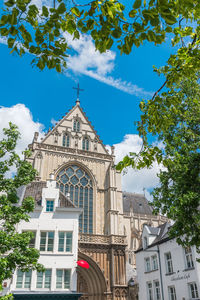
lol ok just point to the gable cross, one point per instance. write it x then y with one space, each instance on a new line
78 91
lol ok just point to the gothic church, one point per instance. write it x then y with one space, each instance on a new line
111 223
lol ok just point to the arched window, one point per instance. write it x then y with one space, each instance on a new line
76 126
65 140
75 181
85 144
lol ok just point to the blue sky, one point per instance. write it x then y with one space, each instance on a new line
113 87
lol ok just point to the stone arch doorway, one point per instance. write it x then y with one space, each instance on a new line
91 282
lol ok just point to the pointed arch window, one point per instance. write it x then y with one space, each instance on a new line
76 181
76 125
66 140
85 144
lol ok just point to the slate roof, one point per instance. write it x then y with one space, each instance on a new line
162 235
138 202
34 189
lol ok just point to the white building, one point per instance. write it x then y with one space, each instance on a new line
166 270
54 223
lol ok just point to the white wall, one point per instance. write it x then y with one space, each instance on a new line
180 277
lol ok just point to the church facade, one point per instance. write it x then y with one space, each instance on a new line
111 223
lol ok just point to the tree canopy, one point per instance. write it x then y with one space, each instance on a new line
14 246
174 117
41 31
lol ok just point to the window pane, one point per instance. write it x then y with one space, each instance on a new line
47 283
49 205
67 274
50 241
69 241
42 241
39 280
59 275
61 241
19 279
27 282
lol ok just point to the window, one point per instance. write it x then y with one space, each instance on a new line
76 181
63 279
32 240
65 140
49 205
147 264
46 241
188 258
168 262
154 262
145 242
65 242
193 291
172 293
76 126
85 144
23 279
157 290
149 291
44 279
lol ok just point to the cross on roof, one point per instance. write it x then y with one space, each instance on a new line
78 91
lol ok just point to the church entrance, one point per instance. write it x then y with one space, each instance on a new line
91 282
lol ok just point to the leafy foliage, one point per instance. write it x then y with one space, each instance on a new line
41 31
14 246
174 117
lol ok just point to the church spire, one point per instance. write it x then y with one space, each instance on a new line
78 92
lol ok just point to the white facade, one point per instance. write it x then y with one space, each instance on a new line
165 270
54 232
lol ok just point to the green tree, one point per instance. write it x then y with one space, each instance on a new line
174 117
41 31
14 246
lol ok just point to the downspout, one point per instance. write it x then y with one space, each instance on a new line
161 280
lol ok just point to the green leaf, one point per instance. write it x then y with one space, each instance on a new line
169 19
71 26
137 4
61 8
45 11
76 11
132 13
10 3
11 42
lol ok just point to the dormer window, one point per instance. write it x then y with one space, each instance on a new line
49 205
76 125
65 140
85 144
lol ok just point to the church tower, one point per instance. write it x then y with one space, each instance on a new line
73 154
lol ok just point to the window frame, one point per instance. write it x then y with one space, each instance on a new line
63 279
47 238
195 290
44 276
168 263
172 296
51 208
149 290
189 262
157 288
152 262
147 262
85 143
24 277
66 140
65 241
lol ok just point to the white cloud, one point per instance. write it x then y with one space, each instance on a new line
88 61
136 181
21 116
